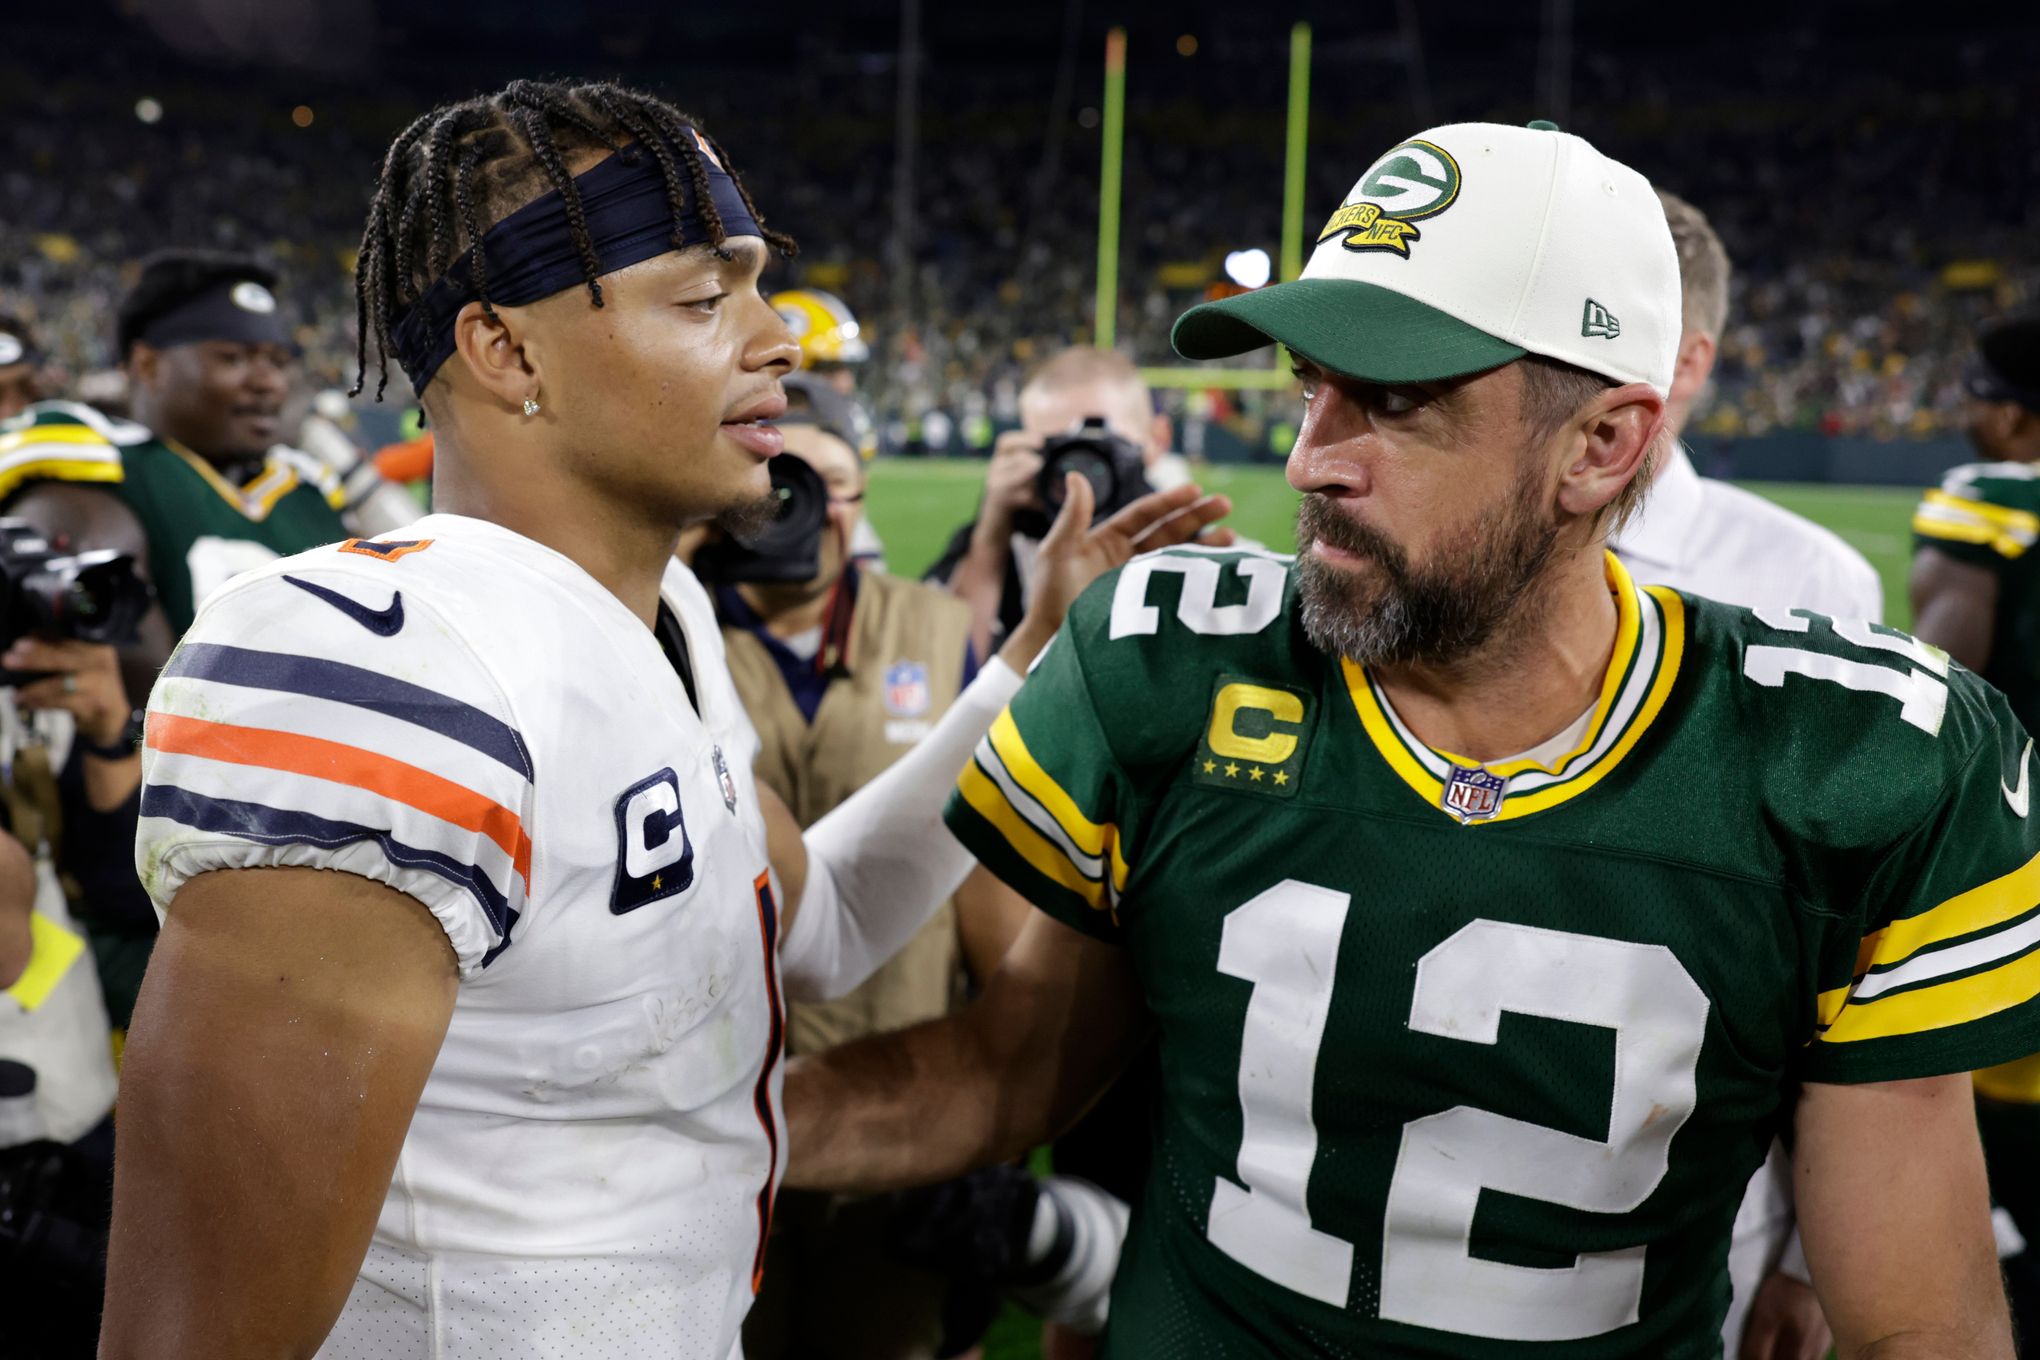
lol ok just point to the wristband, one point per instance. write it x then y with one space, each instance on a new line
120 748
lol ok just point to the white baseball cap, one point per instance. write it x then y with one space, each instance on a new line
1465 248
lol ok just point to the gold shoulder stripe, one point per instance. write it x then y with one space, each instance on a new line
76 436
58 470
1981 908
986 799
1028 774
1939 1007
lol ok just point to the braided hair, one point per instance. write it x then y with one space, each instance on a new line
461 168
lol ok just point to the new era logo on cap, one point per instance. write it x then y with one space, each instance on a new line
1468 246
1597 320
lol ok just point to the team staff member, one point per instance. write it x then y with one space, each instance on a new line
1717 540
195 487
1976 593
1493 912
989 562
842 673
1711 537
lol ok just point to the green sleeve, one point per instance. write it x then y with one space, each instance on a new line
1940 972
1044 802
1983 513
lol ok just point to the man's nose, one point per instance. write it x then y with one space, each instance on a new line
1328 455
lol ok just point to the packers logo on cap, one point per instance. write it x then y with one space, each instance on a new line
1415 180
251 296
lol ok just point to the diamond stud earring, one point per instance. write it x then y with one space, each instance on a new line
531 406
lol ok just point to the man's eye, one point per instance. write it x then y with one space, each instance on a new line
1397 403
708 304
1309 381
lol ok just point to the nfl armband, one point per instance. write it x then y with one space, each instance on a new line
882 862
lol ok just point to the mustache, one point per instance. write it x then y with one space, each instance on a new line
1318 522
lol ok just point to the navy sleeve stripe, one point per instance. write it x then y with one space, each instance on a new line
275 826
345 684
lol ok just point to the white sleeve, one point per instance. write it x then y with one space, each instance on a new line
280 735
882 862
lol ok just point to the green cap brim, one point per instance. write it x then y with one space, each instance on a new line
1357 329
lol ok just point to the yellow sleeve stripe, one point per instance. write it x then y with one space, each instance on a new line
986 799
1981 908
69 435
2002 516
65 469
1088 835
1956 519
53 950
1941 1006
2017 1082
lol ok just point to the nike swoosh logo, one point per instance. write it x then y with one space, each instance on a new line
2020 797
381 622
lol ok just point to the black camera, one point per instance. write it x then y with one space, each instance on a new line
1112 465
787 549
85 597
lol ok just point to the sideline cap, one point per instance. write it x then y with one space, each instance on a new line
2007 363
1464 248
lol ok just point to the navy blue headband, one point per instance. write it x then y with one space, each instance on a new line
531 252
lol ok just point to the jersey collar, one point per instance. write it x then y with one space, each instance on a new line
1649 644
258 497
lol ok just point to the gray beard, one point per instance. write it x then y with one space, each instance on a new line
1437 616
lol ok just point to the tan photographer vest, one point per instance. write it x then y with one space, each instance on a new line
906 656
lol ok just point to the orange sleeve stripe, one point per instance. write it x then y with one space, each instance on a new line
319 758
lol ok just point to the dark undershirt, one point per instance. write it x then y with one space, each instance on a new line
673 642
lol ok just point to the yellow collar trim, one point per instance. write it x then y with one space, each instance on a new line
276 480
1649 645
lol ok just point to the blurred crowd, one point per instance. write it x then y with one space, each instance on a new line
1874 221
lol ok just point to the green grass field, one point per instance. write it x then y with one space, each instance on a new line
916 505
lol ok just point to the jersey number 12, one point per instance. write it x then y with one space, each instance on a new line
1286 942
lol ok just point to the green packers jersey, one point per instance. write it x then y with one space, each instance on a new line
1988 514
1465 1061
202 529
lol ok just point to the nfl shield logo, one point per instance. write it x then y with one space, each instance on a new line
1472 794
729 785
906 689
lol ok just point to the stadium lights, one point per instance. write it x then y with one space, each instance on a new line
302 115
1186 46
148 110
1249 268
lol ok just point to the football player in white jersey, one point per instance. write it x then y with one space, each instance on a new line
507 1083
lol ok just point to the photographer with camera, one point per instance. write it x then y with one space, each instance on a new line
842 670
195 489
1085 410
63 708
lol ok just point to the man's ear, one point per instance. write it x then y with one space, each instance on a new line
142 363
492 350
1695 365
1611 436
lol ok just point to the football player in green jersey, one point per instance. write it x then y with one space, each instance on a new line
197 485
1493 912
1975 588
197 489
1976 593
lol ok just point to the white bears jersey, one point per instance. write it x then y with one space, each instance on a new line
466 715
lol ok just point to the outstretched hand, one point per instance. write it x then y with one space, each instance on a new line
1077 552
